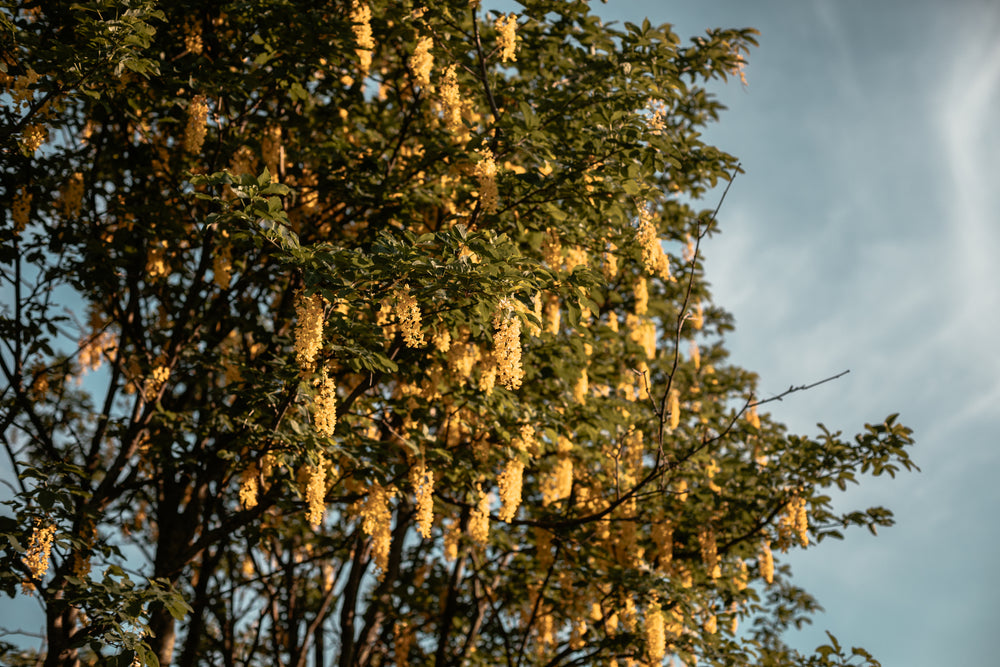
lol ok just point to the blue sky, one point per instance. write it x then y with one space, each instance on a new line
864 235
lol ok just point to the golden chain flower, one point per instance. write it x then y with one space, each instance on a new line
361 16
325 406
506 27
422 61
308 329
486 174
507 345
316 492
766 562
479 517
510 483
422 481
197 124
376 522
36 556
452 100
656 640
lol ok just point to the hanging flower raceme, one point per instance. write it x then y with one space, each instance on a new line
308 330
405 311
422 61
479 517
656 640
559 483
766 562
376 522
361 17
316 492
507 345
486 174
674 408
197 124
506 27
325 405
249 487
654 260
451 98
36 556
422 481
32 137
510 484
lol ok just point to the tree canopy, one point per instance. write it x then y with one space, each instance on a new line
378 333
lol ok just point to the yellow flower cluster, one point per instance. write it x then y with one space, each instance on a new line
479 517
674 408
422 61
71 196
94 348
197 124
510 483
325 406
316 492
507 345
552 250
654 260
642 330
742 576
553 315
559 483
581 387
452 536
36 557
641 296
407 313
32 137
486 174
711 624
695 353
506 27
794 521
752 417
610 265
698 316
709 552
156 260
361 17
271 149
22 93
308 329
243 162
154 383
222 266
249 487
766 562
422 481
656 639
662 534
21 208
192 36
452 100
525 440
376 521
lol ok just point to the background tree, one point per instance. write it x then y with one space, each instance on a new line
388 343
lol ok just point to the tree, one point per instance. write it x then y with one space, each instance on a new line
376 333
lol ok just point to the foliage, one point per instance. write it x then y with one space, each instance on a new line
344 334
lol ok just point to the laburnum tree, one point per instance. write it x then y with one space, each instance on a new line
377 333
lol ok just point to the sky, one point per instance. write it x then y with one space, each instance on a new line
864 236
